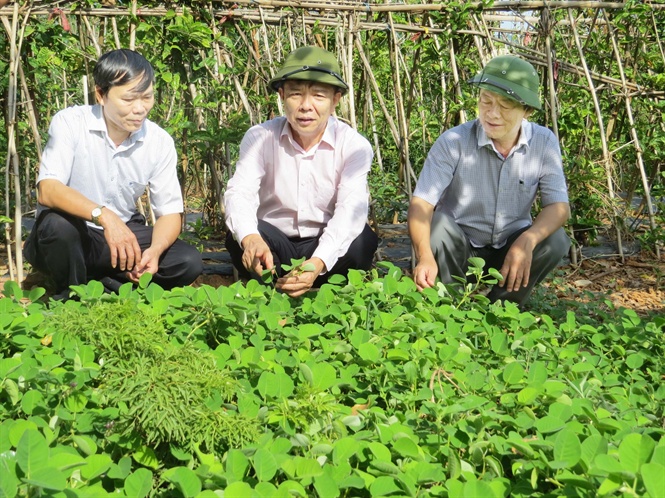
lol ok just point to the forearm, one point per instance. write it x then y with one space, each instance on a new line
549 220
419 221
166 231
56 195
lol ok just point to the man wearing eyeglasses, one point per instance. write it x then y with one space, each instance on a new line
478 185
300 185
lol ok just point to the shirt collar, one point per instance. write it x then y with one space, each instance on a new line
328 135
523 140
97 123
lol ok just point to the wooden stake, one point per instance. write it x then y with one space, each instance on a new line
601 128
633 134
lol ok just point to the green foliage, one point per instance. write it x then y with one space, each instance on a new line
388 198
367 387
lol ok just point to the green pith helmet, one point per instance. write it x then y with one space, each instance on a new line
309 64
511 77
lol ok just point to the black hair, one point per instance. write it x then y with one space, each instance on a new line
119 67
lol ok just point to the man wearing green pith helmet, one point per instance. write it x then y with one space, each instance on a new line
300 185
478 185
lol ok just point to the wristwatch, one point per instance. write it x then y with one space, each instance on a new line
96 213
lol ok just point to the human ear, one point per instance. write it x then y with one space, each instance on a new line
99 95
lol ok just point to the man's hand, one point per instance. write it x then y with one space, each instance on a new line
516 267
256 254
419 221
149 264
425 272
297 282
125 249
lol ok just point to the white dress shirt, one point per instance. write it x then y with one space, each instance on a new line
319 192
80 154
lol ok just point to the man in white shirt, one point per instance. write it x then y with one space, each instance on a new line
96 164
300 185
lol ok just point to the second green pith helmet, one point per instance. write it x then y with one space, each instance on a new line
309 64
510 77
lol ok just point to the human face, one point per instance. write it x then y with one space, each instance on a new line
125 109
307 106
501 118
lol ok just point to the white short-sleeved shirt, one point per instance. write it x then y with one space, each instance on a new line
80 154
319 192
489 196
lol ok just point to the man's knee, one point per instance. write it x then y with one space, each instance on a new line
450 247
446 233
362 249
553 248
191 264
54 226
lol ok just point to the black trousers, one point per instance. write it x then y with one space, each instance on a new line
359 256
72 253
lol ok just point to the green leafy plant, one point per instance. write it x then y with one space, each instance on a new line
367 387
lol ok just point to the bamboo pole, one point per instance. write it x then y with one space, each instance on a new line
348 64
32 115
359 6
655 30
546 26
91 35
405 166
456 81
377 91
477 39
132 26
633 134
601 129
12 165
116 36
442 76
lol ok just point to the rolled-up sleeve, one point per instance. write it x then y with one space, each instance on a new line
352 204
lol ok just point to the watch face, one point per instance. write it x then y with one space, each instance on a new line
96 212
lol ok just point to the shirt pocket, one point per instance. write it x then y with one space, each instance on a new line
131 191
528 187
324 198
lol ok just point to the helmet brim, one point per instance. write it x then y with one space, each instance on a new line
308 73
508 89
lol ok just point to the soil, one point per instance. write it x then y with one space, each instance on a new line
637 283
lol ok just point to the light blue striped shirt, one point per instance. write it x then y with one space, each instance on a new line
489 196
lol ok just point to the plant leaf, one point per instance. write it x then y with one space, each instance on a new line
32 452
567 448
139 483
264 464
653 475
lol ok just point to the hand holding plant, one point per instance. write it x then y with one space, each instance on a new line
300 277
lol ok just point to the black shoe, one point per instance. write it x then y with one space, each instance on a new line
111 285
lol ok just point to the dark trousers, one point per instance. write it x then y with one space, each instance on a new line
72 253
359 256
452 250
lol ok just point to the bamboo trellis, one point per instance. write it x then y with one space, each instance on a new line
268 29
